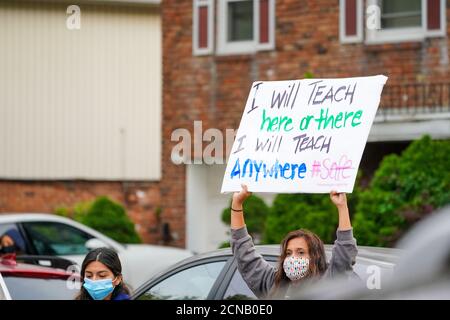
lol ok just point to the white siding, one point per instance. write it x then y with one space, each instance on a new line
80 103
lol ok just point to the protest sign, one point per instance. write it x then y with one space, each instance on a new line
303 136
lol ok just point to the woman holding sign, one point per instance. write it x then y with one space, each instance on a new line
302 258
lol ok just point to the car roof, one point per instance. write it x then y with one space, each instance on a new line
42 217
376 254
19 216
379 253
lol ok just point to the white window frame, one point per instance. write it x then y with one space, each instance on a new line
210 29
409 33
342 18
225 47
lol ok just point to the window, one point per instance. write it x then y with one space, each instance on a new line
193 283
391 20
7 226
245 26
12 226
401 14
238 289
242 26
52 238
240 21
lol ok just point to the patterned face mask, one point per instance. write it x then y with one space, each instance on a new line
295 267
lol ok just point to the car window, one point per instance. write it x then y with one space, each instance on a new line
193 283
25 288
238 289
7 226
53 238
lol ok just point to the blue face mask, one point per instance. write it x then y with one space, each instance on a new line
98 289
8 249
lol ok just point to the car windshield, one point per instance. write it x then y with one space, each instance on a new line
25 288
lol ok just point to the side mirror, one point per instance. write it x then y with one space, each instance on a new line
94 243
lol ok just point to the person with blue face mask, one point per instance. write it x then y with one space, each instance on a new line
102 277
11 242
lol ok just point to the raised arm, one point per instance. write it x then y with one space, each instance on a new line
344 249
340 201
237 208
257 272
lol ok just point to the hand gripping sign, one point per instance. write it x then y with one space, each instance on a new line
303 136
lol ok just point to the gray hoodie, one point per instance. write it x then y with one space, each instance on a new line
260 275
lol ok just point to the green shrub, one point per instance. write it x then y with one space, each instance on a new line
405 188
255 212
314 212
111 219
105 216
224 244
77 212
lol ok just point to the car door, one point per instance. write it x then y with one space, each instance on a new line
198 280
56 239
233 286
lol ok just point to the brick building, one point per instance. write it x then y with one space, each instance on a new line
214 49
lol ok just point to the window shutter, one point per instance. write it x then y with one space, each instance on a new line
203 27
350 24
435 19
265 24
263 21
350 18
433 15
202 39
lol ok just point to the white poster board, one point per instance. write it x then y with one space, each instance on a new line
303 136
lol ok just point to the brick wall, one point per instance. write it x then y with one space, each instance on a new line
141 200
214 89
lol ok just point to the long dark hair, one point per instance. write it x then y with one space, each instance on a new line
111 260
317 258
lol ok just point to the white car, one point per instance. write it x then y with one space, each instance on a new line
52 235
4 293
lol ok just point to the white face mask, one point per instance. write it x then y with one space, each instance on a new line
295 267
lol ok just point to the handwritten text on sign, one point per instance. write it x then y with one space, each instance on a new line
303 135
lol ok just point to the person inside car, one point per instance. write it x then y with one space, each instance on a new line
12 242
302 261
101 272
